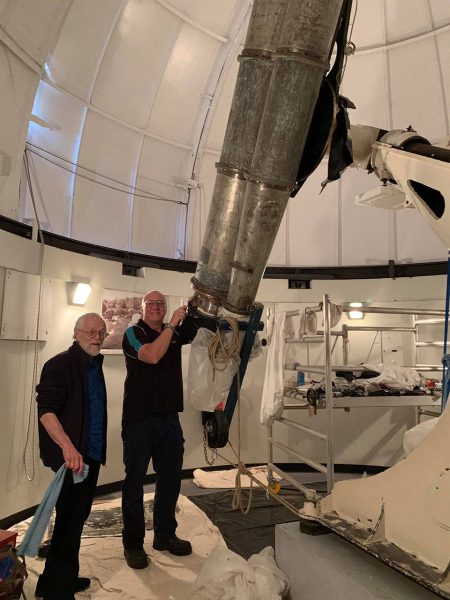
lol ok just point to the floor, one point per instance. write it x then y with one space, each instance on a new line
327 566
319 567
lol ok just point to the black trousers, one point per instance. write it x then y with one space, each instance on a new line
158 437
72 509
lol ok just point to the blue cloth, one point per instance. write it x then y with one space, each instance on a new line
96 397
35 532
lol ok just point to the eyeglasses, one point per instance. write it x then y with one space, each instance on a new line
93 333
154 303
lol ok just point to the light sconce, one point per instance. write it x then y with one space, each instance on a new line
355 314
78 293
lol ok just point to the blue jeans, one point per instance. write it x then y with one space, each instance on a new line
158 437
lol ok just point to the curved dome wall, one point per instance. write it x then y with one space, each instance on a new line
129 101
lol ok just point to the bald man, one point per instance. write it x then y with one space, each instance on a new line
71 398
151 428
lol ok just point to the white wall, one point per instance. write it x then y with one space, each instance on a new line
369 436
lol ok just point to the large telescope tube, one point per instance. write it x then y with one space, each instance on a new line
212 278
301 60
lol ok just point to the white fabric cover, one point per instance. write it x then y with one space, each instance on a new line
272 396
207 389
415 436
227 478
227 576
396 377
308 324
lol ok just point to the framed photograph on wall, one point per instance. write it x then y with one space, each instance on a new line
119 310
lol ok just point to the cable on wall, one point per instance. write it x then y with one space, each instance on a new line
31 423
129 189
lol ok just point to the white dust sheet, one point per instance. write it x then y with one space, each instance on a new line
168 577
224 479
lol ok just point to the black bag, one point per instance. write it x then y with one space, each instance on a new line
13 573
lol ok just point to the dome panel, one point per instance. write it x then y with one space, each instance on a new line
17 87
75 59
414 72
365 84
109 148
56 134
3 6
278 255
368 29
162 163
60 128
156 227
312 223
443 45
366 232
219 121
34 25
416 240
418 21
49 182
181 5
134 60
101 213
440 11
151 189
200 201
174 112
215 14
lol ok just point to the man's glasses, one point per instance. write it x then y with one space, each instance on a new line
93 333
154 303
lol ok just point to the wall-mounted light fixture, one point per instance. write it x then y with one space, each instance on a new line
355 314
78 293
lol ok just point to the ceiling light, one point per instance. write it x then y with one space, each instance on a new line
355 314
78 293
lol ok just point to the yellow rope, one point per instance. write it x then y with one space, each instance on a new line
220 353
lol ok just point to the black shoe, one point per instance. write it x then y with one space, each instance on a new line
136 558
81 584
174 545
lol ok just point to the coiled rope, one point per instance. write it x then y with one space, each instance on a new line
220 353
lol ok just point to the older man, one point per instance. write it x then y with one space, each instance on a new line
71 398
151 428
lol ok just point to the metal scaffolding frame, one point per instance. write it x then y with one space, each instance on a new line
331 403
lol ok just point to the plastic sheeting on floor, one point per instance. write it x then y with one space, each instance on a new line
248 534
168 577
227 576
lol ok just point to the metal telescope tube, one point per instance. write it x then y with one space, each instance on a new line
212 277
301 60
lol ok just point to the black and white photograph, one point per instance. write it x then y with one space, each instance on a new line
119 310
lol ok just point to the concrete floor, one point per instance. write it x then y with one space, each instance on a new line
327 566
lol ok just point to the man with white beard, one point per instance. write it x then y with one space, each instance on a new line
71 398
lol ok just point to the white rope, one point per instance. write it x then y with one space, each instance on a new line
31 424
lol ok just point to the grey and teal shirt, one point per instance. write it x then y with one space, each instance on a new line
158 388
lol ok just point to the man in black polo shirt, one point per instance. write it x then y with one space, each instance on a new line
151 428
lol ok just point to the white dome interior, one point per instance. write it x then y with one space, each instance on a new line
122 106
